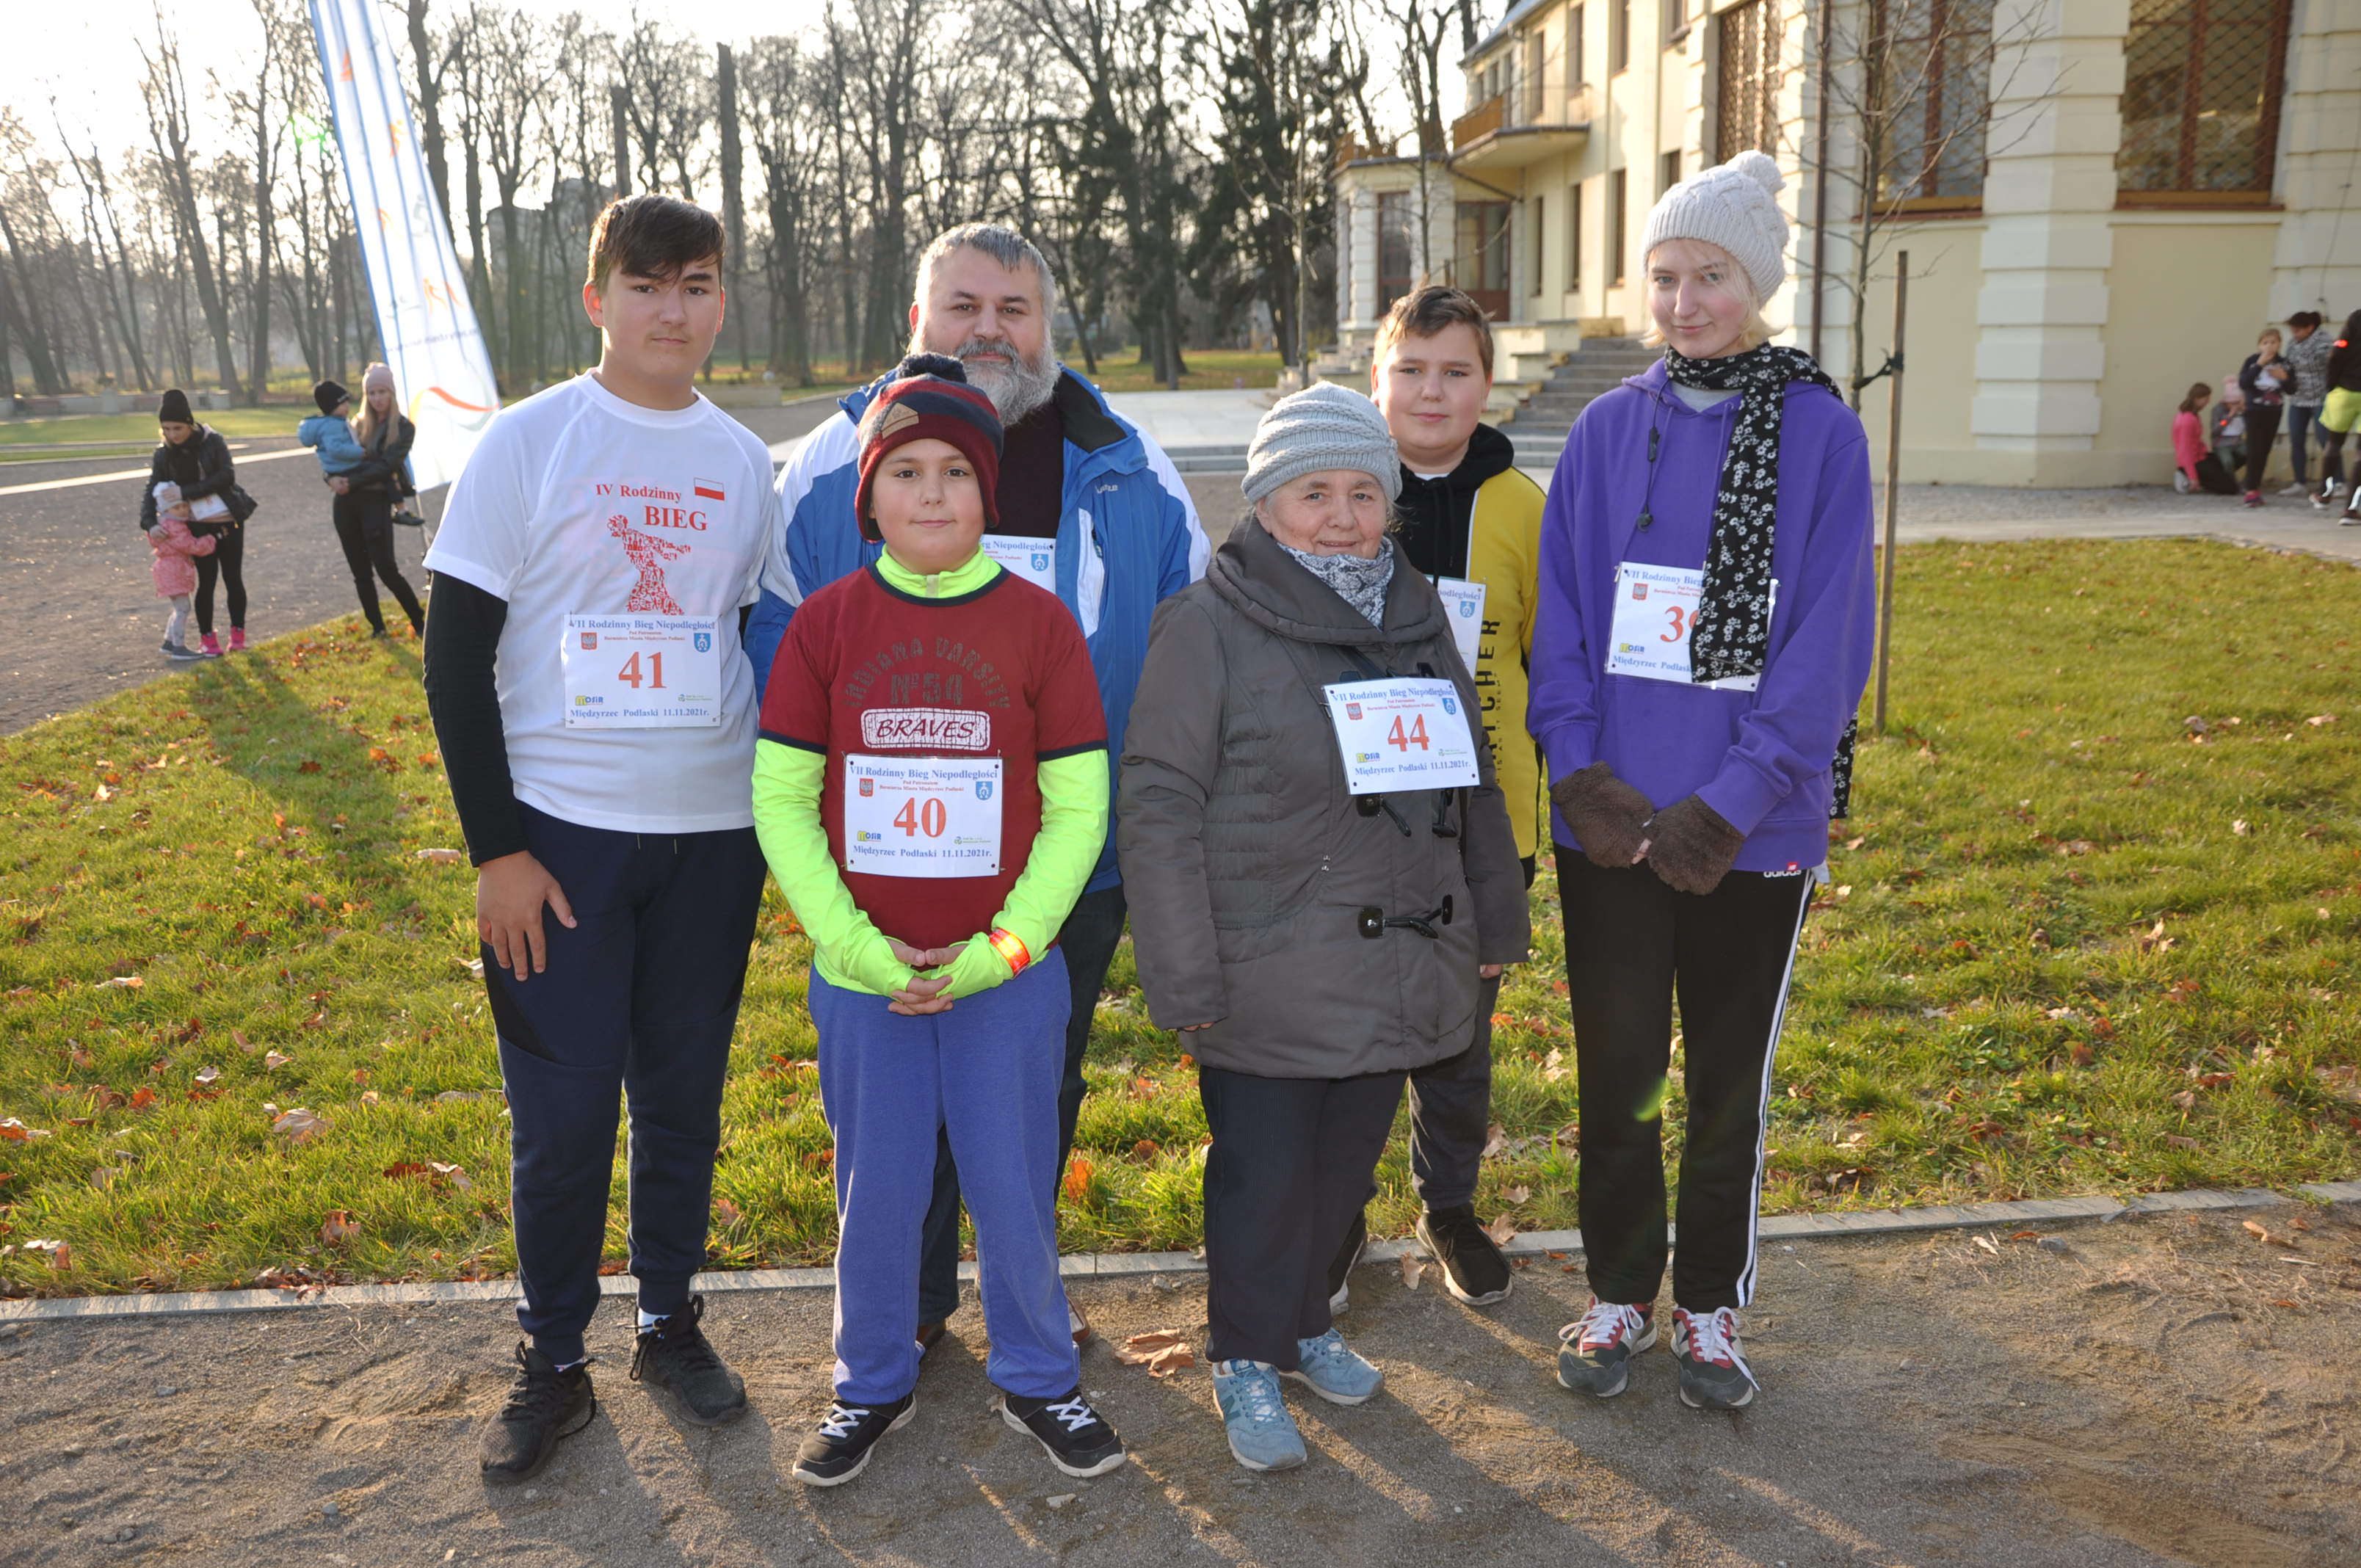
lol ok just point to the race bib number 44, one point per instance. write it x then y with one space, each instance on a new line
642 672
922 817
1402 734
1655 609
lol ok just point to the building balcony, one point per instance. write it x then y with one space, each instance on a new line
1517 129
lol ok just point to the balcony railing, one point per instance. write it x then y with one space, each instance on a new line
1477 122
1552 107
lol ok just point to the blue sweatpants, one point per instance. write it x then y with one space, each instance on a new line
640 999
987 1073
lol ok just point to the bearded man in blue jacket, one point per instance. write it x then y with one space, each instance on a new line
1090 508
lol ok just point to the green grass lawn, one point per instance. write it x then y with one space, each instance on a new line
1209 369
78 433
2073 944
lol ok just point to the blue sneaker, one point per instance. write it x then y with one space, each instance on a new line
1262 1434
1335 1370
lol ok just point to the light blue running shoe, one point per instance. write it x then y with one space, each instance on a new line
1335 1370
1262 1434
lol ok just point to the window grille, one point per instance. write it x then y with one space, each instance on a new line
2203 80
1935 61
1747 99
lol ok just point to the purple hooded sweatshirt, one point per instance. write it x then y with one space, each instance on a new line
1761 758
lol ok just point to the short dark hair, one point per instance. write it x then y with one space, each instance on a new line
651 237
2306 318
1430 309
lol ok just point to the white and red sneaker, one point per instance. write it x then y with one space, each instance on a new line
1714 1374
1595 1352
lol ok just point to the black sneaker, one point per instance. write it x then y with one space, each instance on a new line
840 1449
544 1405
1077 1441
930 1334
1348 1256
1595 1351
1474 1267
1714 1374
675 1356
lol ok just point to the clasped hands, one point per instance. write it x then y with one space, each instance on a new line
926 994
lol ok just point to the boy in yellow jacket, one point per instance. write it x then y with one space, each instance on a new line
1472 523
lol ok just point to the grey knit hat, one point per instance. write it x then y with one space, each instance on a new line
1323 426
1734 205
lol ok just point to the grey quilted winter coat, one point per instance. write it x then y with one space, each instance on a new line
1249 868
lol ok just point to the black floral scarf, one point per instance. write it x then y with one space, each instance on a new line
1731 636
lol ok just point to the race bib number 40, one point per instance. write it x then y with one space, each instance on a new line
1401 734
923 816
642 672
1655 609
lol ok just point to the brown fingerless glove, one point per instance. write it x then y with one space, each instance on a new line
1691 847
1605 813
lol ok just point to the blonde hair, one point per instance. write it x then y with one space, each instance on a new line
365 423
1754 334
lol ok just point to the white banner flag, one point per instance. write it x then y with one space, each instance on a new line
441 370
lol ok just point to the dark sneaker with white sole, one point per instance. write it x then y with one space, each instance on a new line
1595 1351
675 1356
1714 1374
1474 1269
1348 1258
848 1434
1075 1437
544 1406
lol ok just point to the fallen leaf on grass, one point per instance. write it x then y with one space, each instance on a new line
339 1228
2239 826
1163 1352
1518 1194
1495 1139
1989 1245
2080 1055
120 983
2176 1141
61 1253
2317 720
298 1126
443 856
15 1132
726 1214
1077 1180
1502 1231
2186 1100
1414 1269
242 1042
2156 941
273 1059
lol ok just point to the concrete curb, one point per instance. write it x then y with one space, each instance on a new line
1133 1265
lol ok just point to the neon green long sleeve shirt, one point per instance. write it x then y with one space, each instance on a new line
849 951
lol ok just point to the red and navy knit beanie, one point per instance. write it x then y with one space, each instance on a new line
930 398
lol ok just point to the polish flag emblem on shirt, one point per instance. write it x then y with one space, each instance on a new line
709 489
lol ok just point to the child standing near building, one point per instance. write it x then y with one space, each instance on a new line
930 786
175 573
597 721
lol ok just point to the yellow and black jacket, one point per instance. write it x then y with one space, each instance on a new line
1482 523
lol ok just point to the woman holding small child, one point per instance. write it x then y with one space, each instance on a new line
364 461
192 482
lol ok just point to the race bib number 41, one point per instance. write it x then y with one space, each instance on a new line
1402 734
1655 609
923 816
642 672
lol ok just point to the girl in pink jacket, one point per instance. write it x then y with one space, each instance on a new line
175 570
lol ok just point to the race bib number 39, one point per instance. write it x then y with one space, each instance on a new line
1402 734
642 672
1655 609
922 817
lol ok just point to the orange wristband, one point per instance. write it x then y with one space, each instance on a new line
1011 949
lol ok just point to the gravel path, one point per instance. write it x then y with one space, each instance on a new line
83 613
2161 1389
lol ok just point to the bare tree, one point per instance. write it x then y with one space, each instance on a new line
165 89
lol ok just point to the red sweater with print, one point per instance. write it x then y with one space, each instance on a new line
866 670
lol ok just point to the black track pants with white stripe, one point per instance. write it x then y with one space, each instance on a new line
1631 942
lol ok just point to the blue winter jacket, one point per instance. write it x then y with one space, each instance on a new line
340 449
1127 538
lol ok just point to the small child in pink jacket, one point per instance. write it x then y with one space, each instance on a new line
175 574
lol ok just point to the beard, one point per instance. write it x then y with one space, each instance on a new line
1016 389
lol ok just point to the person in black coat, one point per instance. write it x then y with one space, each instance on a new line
2268 380
367 495
196 458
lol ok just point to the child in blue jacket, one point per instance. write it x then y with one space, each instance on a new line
331 429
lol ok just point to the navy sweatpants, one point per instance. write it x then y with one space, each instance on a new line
641 997
985 1072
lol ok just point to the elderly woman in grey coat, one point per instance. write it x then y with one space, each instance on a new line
1319 868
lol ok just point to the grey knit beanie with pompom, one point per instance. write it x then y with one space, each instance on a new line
1322 427
1734 205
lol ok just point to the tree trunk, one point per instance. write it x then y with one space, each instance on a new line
25 306
430 103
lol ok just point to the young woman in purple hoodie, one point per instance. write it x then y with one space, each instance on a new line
1704 635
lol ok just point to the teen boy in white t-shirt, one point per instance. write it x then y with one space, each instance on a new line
596 722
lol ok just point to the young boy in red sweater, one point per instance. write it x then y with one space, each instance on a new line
930 789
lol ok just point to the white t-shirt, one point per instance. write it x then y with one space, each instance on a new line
576 502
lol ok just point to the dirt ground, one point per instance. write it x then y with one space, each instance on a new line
2159 1389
